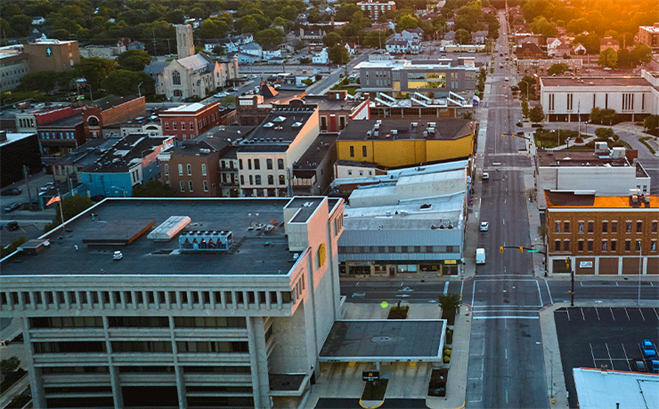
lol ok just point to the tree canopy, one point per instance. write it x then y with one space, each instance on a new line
154 188
134 60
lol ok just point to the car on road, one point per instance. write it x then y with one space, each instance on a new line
506 79
484 226
486 176
117 255
11 226
638 365
11 207
220 94
47 187
648 349
11 192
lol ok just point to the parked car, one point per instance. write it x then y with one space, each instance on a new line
486 176
484 226
47 187
12 207
11 192
638 365
11 226
648 349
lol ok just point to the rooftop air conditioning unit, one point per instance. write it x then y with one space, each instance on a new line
394 131
376 133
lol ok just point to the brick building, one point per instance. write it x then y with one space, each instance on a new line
602 235
374 9
60 130
253 109
335 109
649 35
186 122
52 55
112 111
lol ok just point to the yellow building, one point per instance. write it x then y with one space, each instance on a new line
393 143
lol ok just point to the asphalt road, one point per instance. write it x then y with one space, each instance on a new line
322 86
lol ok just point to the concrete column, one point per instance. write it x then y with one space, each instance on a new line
133 298
122 297
78 296
234 299
257 301
179 301
113 305
245 300
223 299
190 299
55 300
596 265
145 299
44 300
117 394
258 362
280 303
99 294
36 381
33 300
90 302
620 265
67 300
156 299
211 296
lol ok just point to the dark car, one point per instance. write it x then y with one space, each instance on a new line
11 192
11 226
638 365
12 207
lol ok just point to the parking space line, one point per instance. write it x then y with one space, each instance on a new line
551 300
612 315
642 316
598 314
593 355
606 344
582 314
628 319
539 294
655 313
624 351
567 310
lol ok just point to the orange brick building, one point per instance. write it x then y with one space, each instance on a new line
604 235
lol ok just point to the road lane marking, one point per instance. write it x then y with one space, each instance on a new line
641 311
612 314
446 288
512 317
506 353
462 283
628 319
610 357
567 310
655 313
473 294
598 314
551 300
539 293
626 357
582 314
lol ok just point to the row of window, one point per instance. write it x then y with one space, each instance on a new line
143 299
364 151
256 180
63 347
564 226
606 245
627 102
397 249
56 135
137 322
257 164
26 123
175 125
191 185
146 369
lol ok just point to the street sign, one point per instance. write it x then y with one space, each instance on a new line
370 376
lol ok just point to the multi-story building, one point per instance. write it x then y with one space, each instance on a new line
602 171
649 35
438 77
336 109
253 109
266 158
393 143
540 66
46 54
81 157
14 65
18 150
605 235
129 162
108 113
374 9
60 130
205 303
186 122
573 98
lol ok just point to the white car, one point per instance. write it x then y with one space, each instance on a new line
220 94
486 176
506 79
484 226
117 255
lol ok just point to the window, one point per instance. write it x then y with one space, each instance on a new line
364 151
654 226
614 226
591 226
174 123
251 180
653 245
181 184
191 126
189 169
604 245
240 164
280 164
580 245
605 226
271 180
557 227
566 245
166 169
176 78
268 164
557 245
190 185
257 164
638 245
580 227
590 245
323 123
352 151
614 245
180 169
639 226
249 164
203 169
566 226
205 186
342 122
282 180
257 178
628 245
628 226
183 125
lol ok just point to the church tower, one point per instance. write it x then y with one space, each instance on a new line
184 41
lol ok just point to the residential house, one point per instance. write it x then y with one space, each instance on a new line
321 57
479 37
351 47
38 21
253 49
579 49
135 45
271 52
609 42
529 51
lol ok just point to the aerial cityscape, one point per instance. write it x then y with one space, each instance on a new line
329 204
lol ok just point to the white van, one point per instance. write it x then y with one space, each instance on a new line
480 256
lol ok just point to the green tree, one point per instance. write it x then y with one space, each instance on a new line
591 42
525 88
375 39
608 58
209 29
134 60
154 188
463 36
124 82
525 108
345 12
9 365
94 70
450 304
577 26
541 26
604 133
21 24
269 37
641 54
651 122
44 81
536 114
175 16
71 207
558 68
247 24
281 22
339 55
608 116
332 39
596 115
407 22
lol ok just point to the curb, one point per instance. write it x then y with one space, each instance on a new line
377 404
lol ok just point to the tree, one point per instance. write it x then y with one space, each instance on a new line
94 69
541 26
332 39
247 24
71 207
608 116
641 54
269 37
526 86
175 16
536 114
558 68
281 22
525 108
134 60
651 122
154 188
21 24
407 22
462 36
604 133
345 12
591 42
339 55
375 39
450 304
608 58
9 365
44 81
123 83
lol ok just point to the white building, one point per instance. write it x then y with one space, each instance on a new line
321 57
601 388
573 98
206 303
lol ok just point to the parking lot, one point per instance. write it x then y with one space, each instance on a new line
596 336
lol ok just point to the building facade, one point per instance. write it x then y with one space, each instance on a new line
211 326
16 151
46 54
14 65
374 9
186 122
649 35
336 110
609 235
111 112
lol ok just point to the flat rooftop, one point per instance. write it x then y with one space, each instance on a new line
445 129
124 220
576 200
579 158
595 82
598 389
384 341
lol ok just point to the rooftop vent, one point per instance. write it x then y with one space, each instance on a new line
394 131
297 124
280 119
268 125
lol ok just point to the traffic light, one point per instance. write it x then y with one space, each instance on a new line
500 249
521 249
502 135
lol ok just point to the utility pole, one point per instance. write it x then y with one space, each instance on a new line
26 174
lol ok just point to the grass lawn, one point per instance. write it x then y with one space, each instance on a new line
375 390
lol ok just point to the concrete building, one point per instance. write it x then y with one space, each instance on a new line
184 41
211 318
60 130
433 78
374 8
603 172
45 54
253 109
649 35
602 235
602 388
337 108
14 65
573 98
103 51
186 122
16 151
313 173
150 124
400 143
130 162
540 66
